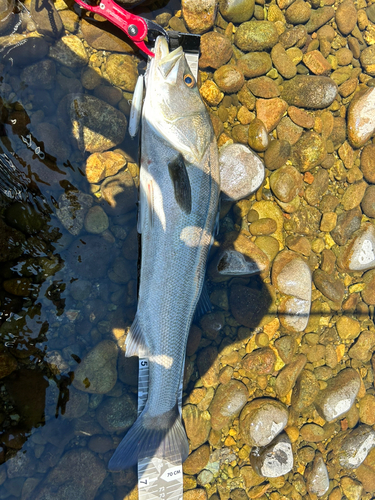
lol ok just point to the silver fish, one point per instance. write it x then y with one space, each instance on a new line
179 194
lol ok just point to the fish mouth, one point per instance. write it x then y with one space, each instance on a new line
167 62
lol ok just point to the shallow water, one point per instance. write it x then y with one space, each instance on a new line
69 271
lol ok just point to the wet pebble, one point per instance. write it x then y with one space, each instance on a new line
69 51
102 165
274 460
228 401
117 413
317 479
253 36
121 71
88 115
351 488
237 11
359 253
353 447
100 39
197 460
97 372
199 17
229 79
248 168
80 469
288 375
73 207
41 74
309 151
54 145
286 182
258 138
305 391
96 220
216 50
262 420
77 405
329 286
339 395
254 64
363 347
252 307
277 154
281 60
361 118
314 92
119 194
368 163
261 361
197 424
48 21
31 50
346 17
270 111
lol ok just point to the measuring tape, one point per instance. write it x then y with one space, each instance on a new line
157 478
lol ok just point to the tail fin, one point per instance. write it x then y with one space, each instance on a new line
163 436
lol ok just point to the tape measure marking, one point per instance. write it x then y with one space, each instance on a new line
157 478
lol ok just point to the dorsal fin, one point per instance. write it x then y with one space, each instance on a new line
181 183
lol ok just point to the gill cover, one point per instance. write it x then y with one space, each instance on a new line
173 107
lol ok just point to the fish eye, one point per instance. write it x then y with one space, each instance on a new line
189 80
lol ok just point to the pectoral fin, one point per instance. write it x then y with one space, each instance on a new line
181 183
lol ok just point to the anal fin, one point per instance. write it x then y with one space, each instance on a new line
135 342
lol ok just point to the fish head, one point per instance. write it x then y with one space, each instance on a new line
173 106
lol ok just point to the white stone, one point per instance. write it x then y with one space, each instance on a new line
363 250
361 118
295 314
318 479
295 280
241 171
269 421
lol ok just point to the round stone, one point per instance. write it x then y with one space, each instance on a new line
97 372
305 91
274 460
228 401
96 220
229 79
254 36
248 168
237 11
339 395
262 420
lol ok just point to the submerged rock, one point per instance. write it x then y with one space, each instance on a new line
97 372
359 253
314 92
274 460
262 420
361 118
339 395
95 125
228 401
317 479
241 171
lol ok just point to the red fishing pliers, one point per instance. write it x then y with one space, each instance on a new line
137 28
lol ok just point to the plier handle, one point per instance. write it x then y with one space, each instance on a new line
137 28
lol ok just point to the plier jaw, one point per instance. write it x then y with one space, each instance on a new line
135 27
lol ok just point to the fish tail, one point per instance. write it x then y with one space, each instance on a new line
163 436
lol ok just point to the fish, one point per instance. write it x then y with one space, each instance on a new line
179 197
